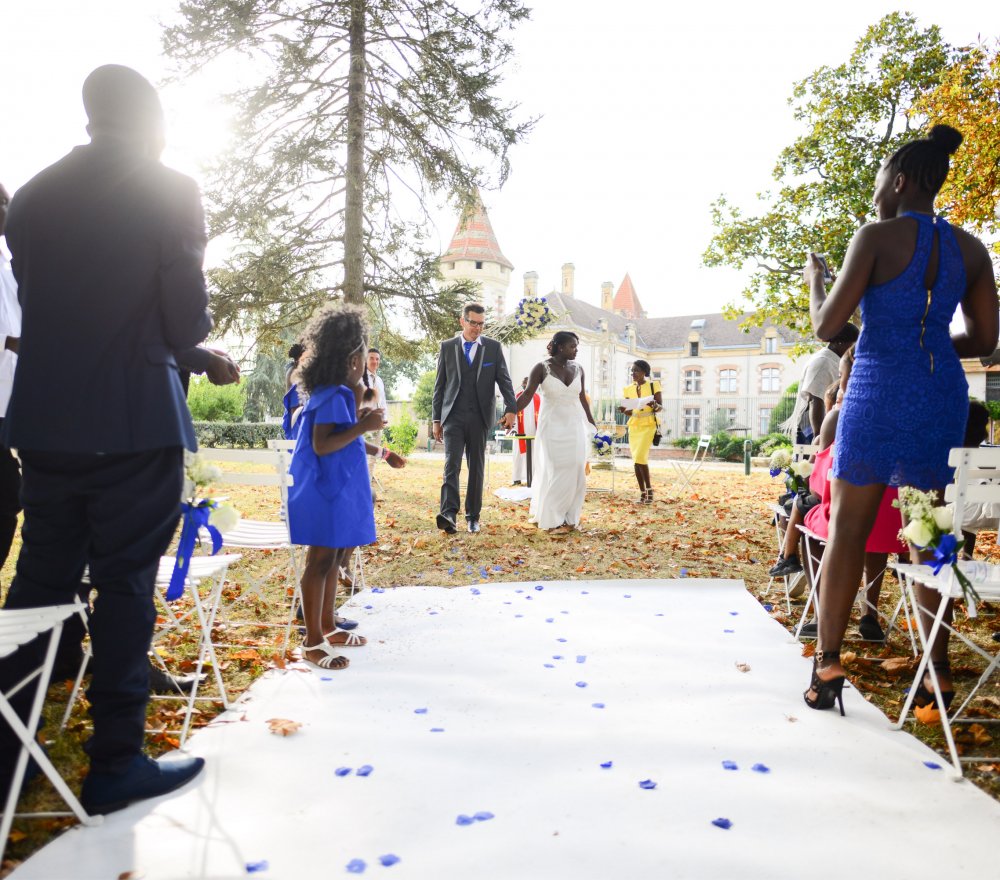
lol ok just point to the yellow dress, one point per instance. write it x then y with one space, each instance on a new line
642 422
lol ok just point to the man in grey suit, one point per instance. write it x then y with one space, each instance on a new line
470 366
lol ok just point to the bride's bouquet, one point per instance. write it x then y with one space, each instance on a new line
603 446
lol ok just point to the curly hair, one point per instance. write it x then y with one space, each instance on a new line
644 366
333 335
561 338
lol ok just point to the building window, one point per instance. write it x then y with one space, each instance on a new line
765 420
692 420
692 381
770 379
656 375
993 386
771 345
693 349
449 265
729 413
727 381
479 264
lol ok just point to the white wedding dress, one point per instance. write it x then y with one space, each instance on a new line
559 480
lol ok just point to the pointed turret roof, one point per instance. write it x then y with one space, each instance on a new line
474 238
626 300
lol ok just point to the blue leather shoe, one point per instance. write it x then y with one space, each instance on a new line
144 778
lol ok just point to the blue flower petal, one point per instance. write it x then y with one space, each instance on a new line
647 784
474 591
432 613
498 568
539 587
581 658
388 860
734 613
607 765
356 866
437 730
768 606
549 665
628 596
560 640
730 765
684 572
364 770
519 615
761 768
729 630
342 771
550 620
581 684
722 823
254 867
597 705
421 711
378 589
482 816
931 765
557 656
451 570
464 820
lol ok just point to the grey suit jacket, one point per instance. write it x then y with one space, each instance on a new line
492 372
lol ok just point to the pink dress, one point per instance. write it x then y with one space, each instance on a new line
884 537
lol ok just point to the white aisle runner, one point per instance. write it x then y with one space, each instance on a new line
516 731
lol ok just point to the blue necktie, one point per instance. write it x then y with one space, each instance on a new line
468 351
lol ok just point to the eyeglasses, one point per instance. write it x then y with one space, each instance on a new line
475 323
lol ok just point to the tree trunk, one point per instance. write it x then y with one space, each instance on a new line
354 267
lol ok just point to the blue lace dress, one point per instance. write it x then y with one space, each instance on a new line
907 400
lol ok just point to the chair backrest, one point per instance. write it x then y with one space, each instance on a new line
802 451
701 450
263 458
977 479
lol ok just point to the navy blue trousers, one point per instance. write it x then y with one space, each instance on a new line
117 513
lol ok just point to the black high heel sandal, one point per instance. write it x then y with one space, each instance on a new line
827 692
924 696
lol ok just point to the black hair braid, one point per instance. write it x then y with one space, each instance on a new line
925 160
333 335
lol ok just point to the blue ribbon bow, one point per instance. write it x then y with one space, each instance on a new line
945 553
194 517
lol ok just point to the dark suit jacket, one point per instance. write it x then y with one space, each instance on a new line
107 250
492 372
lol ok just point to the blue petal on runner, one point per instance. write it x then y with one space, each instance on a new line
768 606
557 656
931 765
722 823
730 765
482 816
342 771
474 591
421 711
519 615
549 665
550 620
364 770
560 640
193 517
729 630
356 866
539 587
581 658
388 860
378 589
761 768
437 730
254 867
628 595
597 705
607 765
581 684
464 820
734 613
684 572
647 784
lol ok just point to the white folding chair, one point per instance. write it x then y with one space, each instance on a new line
688 469
977 480
18 627
251 534
789 581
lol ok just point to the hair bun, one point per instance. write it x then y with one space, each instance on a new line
946 137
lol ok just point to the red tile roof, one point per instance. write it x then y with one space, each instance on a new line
474 238
626 300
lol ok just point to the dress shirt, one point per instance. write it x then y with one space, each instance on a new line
10 325
375 382
473 348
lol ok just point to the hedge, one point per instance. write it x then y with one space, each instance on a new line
237 435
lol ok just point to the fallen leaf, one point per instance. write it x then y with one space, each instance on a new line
895 665
928 715
282 726
848 657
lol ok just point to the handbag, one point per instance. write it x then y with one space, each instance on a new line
657 436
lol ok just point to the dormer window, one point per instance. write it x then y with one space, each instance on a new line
693 349
479 264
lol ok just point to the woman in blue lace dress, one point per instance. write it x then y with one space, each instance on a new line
907 402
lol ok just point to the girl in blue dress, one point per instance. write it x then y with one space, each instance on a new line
330 502
907 402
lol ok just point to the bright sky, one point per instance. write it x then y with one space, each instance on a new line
648 114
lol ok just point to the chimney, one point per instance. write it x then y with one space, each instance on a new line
607 296
567 279
531 284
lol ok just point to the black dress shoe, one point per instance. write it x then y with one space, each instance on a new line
161 682
144 778
473 526
446 524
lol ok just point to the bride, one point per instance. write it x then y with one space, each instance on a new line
562 436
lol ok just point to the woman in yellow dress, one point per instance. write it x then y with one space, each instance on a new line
642 425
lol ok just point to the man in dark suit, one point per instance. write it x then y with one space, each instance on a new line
469 366
107 247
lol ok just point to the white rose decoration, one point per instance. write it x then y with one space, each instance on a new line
802 468
918 533
944 517
225 518
780 459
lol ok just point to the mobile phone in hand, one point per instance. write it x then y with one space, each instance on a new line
827 275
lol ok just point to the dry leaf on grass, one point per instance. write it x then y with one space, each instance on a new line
895 665
848 657
928 715
282 726
974 735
